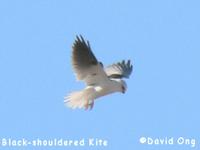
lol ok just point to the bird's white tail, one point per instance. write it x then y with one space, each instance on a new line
80 99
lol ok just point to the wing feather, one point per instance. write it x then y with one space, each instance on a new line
85 64
119 70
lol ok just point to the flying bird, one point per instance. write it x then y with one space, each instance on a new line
99 81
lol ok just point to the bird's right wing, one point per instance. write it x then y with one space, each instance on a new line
85 64
119 70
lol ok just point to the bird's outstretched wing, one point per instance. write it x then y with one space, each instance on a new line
85 64
119 70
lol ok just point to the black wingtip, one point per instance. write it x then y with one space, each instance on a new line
129 62
79 38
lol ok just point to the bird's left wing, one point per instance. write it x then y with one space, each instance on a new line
85 64
119 70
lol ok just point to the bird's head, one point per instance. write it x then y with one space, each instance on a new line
123 86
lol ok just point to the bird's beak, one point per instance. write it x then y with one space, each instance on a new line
123 90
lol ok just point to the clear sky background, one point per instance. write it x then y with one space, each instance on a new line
162 38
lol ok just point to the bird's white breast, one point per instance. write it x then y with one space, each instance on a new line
106 88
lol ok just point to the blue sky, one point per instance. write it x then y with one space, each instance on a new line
160 37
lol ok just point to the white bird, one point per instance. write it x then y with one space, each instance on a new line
99 81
